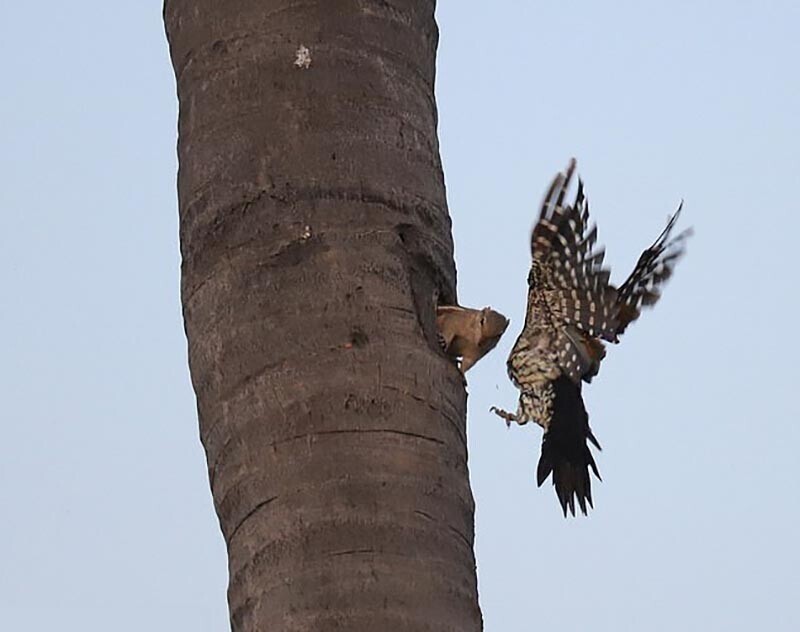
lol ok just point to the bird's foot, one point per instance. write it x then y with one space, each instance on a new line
504 414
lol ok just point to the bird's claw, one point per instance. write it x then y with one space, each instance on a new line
506 416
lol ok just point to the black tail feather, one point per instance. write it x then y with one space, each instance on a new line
565 451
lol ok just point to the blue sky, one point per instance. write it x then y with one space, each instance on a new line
108 518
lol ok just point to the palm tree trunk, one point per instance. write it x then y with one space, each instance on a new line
314 233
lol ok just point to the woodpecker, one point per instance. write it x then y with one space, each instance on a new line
572 308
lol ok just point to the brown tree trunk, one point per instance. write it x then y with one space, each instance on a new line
314 232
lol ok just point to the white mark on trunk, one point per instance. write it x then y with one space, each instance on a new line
302 57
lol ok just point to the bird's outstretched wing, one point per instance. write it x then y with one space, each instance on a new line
654 267
574 281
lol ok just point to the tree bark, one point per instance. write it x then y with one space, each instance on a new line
314 233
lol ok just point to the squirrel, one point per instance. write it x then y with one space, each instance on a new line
469 333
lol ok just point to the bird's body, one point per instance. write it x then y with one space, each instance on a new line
572 308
